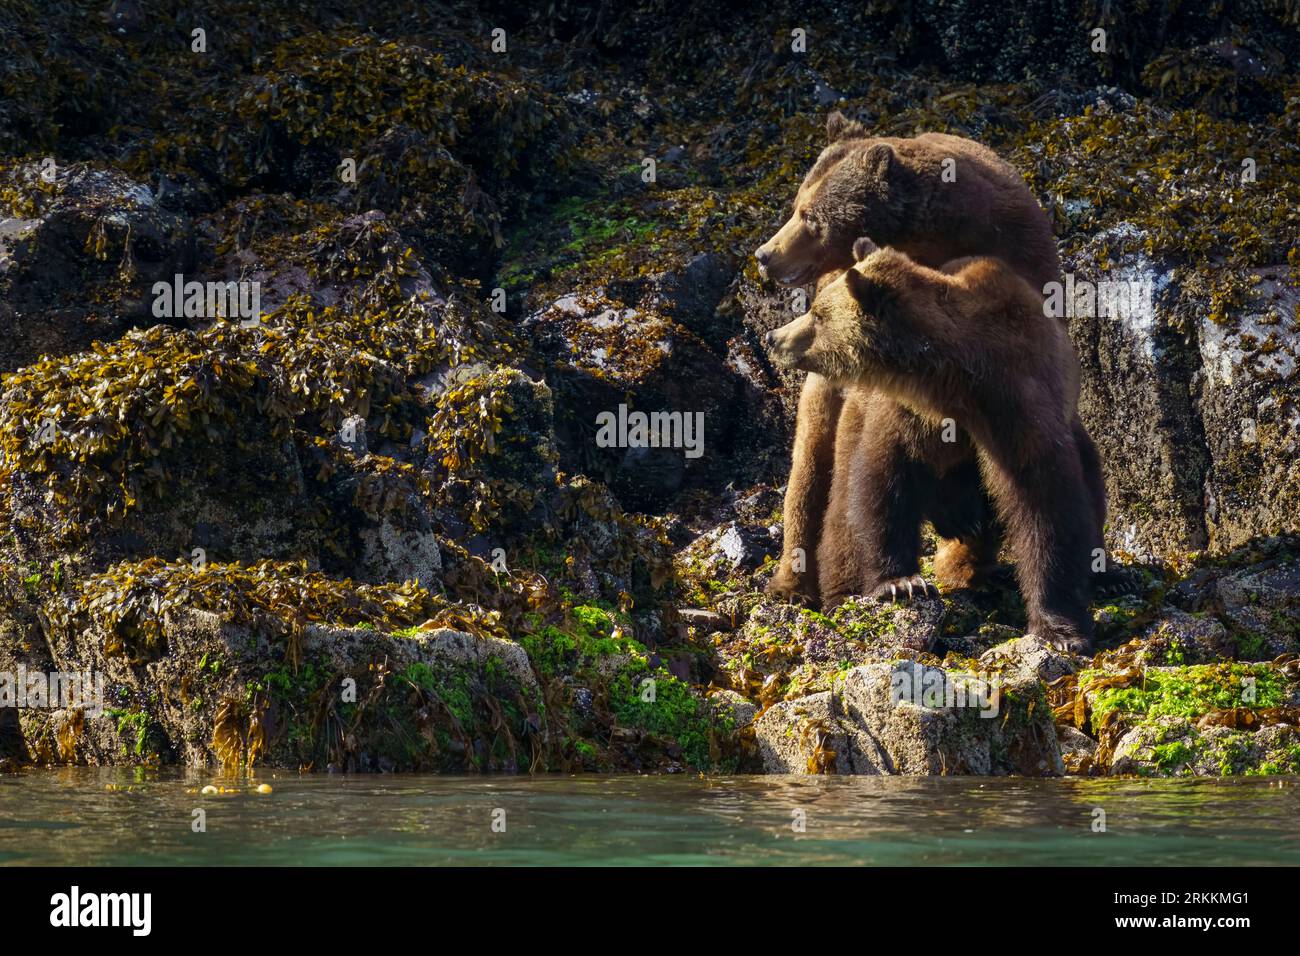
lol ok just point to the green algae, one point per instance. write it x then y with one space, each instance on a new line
1189 692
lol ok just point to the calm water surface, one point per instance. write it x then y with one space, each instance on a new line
92 816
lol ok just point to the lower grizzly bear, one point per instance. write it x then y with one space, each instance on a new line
936 198
968 343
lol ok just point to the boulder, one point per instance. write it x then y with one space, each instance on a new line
1136 402
1174 746
282 687
78 263
931 721
809 735
1249 408
911 719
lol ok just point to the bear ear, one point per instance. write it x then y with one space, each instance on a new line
863 290
863 247
839 126
876 161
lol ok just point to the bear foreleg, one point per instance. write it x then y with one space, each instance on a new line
807 492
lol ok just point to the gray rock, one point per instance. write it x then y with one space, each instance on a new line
808 735
728 704
705 622
57 295
1136 404
1248 399
692 293
907 718
1180 637
1025 661
1075 744
1263 603
928 721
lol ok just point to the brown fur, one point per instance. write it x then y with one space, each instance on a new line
893 189
939 345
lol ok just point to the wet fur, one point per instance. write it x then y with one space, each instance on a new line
891 189
910 346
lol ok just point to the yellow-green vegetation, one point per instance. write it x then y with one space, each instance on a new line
1180 177
1189 692
103 428
132 728
346 89
491 434
585 637
654 701
131 600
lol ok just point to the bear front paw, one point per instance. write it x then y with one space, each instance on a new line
909 588
1069 643
789 589
1061 635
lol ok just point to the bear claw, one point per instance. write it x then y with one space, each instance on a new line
1068 643
904 589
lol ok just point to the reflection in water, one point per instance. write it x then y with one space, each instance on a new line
88 816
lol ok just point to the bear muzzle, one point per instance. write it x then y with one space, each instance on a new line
789 344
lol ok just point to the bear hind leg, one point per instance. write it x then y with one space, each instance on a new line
1049 515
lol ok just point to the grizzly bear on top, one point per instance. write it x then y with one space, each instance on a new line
935 198
943 344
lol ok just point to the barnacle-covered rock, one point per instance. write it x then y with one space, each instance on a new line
80 249
1136 401
935 721
907 718
780 652
1249 408
811 735
1175 746
270 663
1183 638
1262 606
1187 389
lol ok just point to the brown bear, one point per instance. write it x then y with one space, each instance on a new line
969 343
936 198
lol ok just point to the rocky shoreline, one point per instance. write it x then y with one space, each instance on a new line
375 529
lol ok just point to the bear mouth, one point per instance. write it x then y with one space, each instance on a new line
798 278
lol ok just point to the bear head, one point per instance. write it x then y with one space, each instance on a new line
835 337
854 185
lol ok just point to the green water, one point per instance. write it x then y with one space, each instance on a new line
89 816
